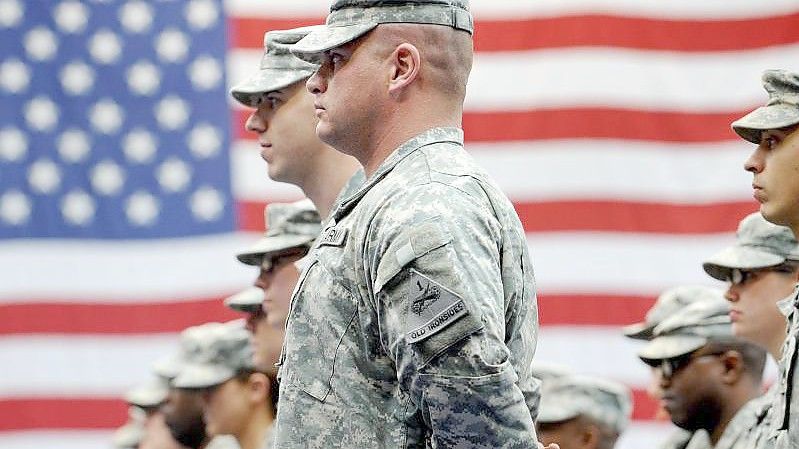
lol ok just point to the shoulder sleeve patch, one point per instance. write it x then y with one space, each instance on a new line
431 307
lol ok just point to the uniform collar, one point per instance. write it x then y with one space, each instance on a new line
431 136
787 305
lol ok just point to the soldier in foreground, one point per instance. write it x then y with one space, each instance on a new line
415 321
774 165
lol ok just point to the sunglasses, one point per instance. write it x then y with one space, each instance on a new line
669 367
737 276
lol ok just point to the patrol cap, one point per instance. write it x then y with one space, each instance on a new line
758 244
247 301
224 353
544 371
351 19
279 68
689 329
781 110
149 394
567 397
668 303
289 225
191 339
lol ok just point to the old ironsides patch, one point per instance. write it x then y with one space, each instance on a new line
432 307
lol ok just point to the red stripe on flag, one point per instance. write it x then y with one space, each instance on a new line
571 123
585 31
95 413
140 318
62 413
78 317
612 216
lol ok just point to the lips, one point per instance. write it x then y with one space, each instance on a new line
735 315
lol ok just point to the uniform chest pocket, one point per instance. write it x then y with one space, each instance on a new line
323 312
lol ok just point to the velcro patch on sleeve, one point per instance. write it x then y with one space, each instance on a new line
431 307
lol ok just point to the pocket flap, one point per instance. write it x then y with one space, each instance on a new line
424 238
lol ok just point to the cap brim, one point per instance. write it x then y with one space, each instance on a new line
312 46
249 92
554 411
671 346
168 367
246 301
271 245
638 331
720 264
775 116
149 395
195 376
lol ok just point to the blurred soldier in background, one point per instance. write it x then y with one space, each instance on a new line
774 166
235 396
149 399
130 434
422 283
761 269
707 375
285 123
183 409
582 412
667 304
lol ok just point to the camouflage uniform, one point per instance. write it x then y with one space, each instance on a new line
415 318
781 110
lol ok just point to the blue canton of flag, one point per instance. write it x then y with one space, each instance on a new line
114 119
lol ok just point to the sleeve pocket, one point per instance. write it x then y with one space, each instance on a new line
426 237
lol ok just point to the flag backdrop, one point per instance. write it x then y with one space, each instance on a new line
127 181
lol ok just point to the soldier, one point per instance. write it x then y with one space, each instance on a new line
284 121
707 375
773 164
761 269
234 395
667 304
415 320
183 409
579 412
149 398
130 435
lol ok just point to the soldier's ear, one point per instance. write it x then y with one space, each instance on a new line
258 387
406 63
733 364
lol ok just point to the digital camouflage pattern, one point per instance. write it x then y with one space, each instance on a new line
758 244
427 229
690 328
288 226
682 439
223 442
191 341
782 109
667 304
569 396
750 427
785 424
351 19
279 68
149 394
223 352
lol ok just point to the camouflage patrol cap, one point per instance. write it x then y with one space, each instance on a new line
758 244
224 353
781 110
190 342
247 301
149 394
668 303
289 225
279 68
351 19
547 370
689 329
567 397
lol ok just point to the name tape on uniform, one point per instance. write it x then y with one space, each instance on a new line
333 237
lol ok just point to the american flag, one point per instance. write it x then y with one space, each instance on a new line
127 181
